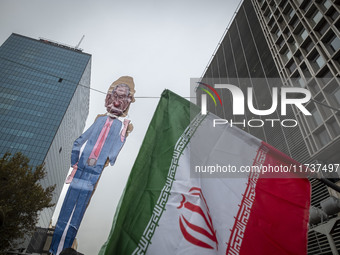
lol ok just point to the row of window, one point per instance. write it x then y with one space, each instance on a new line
323 135
33 152
17 117
25 145
10 98
45 126
42 53
62 96
19 42
40 136
316 59
332 41
33 109
36 82
29 119
29 88
72 71
303 59
42 141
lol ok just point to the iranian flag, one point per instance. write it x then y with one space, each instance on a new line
181 199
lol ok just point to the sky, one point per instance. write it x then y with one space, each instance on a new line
161 44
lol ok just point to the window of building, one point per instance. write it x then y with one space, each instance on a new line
322 137
332 42
298 56
316 60
303 34
332 13
287 54
286 32
281 22
291 66
267 13
325 111
324 76
296 45
320 61
280 42
293 44
322 27
308 46
302 82
278 33
305 71
289 12
334 127
326 4
315 120
306 5
293 22
271 21
337 59
316 16
335 43
336 96
282 4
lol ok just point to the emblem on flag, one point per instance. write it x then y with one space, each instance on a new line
198 235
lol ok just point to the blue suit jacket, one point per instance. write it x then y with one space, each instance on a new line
111 147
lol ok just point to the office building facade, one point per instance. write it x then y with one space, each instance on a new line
275 43
44 92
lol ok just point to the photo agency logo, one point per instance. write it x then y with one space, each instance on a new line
238 105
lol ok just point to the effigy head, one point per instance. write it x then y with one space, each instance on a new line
119 96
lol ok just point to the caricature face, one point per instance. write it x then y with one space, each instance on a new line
119 100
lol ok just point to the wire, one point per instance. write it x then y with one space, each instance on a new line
102 92
79 84
326 105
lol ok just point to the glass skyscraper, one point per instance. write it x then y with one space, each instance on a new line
274 43
44 103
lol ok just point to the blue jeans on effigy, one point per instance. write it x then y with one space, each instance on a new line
76 200
85 179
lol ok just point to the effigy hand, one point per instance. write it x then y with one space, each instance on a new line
70 177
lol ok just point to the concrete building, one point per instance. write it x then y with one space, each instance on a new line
44 103
277 43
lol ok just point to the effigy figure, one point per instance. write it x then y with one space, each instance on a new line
104 140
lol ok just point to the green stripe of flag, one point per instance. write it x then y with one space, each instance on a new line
149 173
